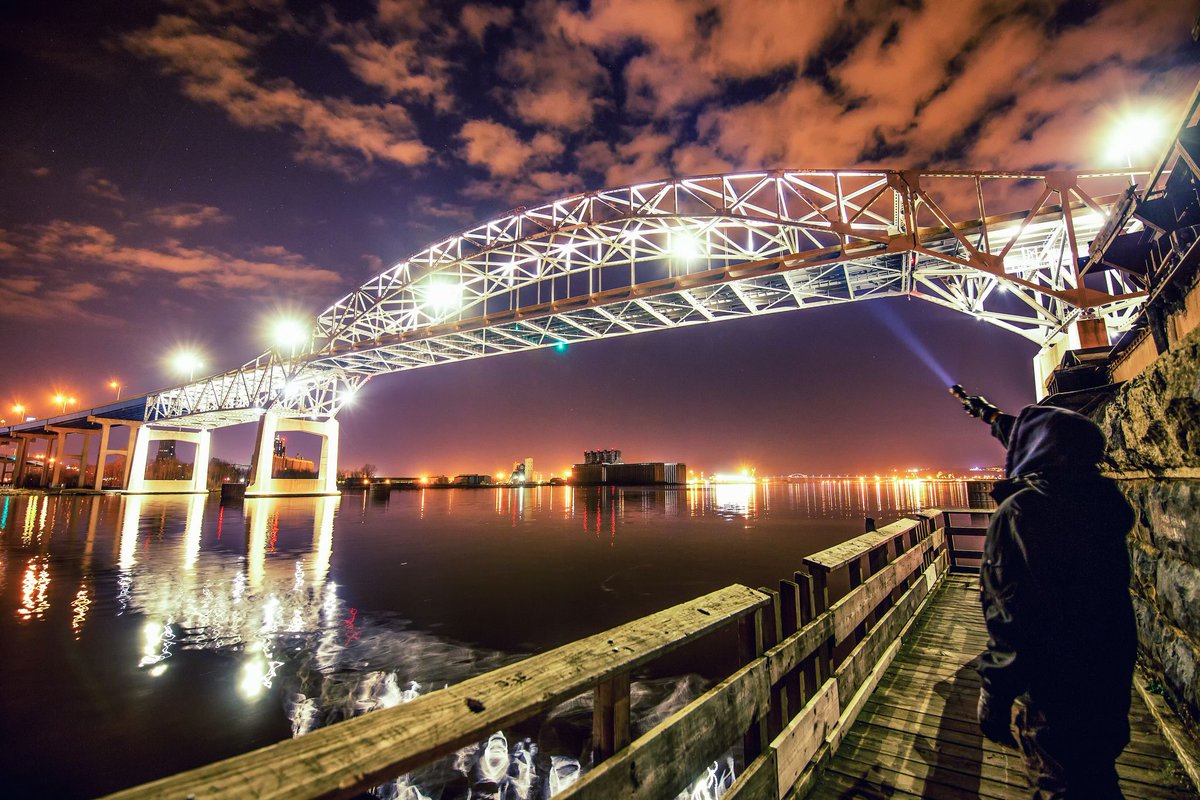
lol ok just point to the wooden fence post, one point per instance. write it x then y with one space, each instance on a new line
750 647
610 716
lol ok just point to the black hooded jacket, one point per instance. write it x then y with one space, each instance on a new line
1055 578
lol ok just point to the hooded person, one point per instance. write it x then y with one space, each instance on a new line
1054 581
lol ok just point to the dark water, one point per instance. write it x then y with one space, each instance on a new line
143 636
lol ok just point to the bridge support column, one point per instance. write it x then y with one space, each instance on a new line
101 456
262 463
60 448
135 467
1081 334
22 464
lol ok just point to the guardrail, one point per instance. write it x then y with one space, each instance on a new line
808 667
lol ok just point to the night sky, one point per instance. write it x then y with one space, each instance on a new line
177 173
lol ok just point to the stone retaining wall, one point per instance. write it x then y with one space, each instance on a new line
1153 429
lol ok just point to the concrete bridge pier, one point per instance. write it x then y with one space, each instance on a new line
1081 334
262 484
60 447
106 426
135 466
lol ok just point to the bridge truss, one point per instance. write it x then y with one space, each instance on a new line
682 252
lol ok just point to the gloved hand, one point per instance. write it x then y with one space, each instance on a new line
975 405
995 721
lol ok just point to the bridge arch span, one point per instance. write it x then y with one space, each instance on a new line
690 251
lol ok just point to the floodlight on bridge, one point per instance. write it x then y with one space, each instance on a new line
185 362
443 296
288 333
687 246
1136 135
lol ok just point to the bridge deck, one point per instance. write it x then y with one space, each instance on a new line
917 737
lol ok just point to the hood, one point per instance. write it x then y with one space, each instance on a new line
1053 440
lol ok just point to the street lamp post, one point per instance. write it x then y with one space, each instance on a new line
116 384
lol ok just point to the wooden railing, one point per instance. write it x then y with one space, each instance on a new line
965 529
808 666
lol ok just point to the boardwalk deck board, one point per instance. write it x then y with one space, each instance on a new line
916 736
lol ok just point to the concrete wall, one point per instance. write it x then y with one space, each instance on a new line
1153 428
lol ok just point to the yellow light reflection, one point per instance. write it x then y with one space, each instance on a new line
79 609
35 584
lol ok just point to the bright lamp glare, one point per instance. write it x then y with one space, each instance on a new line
1135 136
186 362
687 247
443 296
288 333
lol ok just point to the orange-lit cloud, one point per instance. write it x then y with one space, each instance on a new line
61 243
181 216
332 132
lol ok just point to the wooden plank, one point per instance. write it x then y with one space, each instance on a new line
842 554
786 656
750 647
854 607
791 685
610 716
1169 726
676 752
773 635
862 660
798 743
346 758
758 782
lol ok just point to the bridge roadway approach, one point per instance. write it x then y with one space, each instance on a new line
657 255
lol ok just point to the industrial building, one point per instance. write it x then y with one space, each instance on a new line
606 467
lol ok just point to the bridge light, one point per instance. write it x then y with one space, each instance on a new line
1136 135
186 362
289 333
443 296
687 247
561 347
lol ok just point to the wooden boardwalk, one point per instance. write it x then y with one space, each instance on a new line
917 737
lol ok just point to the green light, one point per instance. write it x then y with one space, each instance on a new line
561 347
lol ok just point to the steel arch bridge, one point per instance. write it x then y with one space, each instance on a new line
681 252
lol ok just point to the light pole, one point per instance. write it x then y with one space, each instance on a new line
116 384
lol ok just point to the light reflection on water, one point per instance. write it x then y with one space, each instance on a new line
193 631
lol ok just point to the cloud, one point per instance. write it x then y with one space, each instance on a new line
525 189
501 151
424 207
39 172
100 187
960 83
31 297
181 216
331 132
476 19
402 51
552 80
60 242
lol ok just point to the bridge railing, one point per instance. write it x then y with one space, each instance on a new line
807 668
